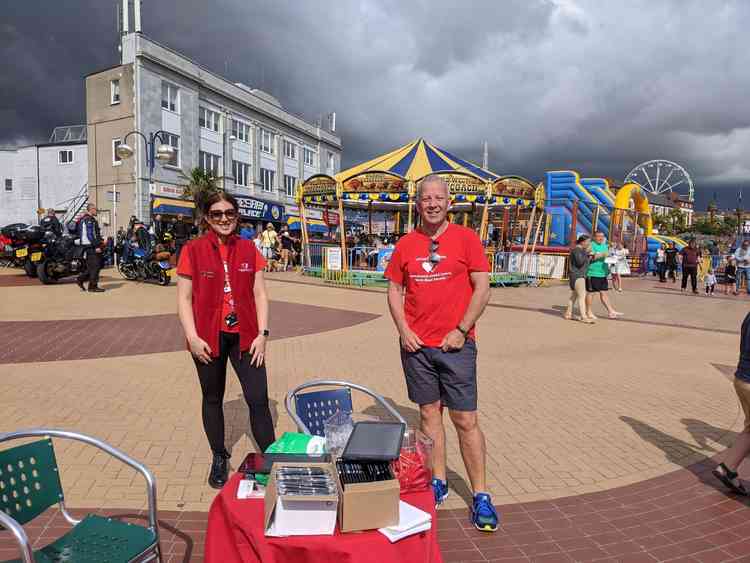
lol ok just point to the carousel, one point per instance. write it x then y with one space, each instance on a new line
381 193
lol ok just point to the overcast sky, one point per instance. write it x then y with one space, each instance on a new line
593 85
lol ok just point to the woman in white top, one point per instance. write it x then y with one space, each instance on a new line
620 267
661 263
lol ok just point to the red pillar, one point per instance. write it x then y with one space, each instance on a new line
574 223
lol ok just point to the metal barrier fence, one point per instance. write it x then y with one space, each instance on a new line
514 268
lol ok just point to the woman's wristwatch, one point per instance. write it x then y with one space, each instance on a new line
460 329
265 332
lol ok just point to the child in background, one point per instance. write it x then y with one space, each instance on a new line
730 275
710 280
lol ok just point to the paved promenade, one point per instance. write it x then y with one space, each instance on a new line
591 430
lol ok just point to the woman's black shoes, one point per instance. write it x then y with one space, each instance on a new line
219 474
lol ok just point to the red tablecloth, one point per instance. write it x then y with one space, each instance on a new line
235 534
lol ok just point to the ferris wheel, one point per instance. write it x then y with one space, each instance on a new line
659 176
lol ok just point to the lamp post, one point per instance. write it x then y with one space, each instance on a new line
163 153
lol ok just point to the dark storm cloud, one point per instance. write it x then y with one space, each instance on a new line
584 84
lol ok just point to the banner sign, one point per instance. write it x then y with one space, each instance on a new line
513 187
333 258
319 185
251 208
330 218
460 184
375 182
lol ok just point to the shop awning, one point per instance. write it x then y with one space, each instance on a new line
171 206
313 225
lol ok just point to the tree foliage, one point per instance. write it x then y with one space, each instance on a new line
202 185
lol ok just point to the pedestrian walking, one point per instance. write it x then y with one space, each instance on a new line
730 275
742 257
269 240
710 281
286 248
439 287
726 471
91 241
661 263
223 309
579 263
691 257
671 254
596 277
181 232
620 266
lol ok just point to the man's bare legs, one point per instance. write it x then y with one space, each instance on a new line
472 446
431 422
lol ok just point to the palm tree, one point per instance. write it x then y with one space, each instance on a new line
202 185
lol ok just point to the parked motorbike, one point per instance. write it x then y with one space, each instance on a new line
61 258
23 246
142 265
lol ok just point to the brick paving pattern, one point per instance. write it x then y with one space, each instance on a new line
46 341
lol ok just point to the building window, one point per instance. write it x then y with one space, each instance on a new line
241 131
290 150
114 91
208 119
290 185
309 156
267 141
209 163
331 163
267 178
174 142
241 173
65 157
116 160
170 97
9 184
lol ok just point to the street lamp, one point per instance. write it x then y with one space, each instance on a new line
163 153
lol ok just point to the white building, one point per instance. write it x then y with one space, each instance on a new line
43 176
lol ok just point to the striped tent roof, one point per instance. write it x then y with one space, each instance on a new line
415 160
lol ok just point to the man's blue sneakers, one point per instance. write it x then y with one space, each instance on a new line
483 513
440 490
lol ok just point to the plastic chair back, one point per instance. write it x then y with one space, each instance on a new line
318 406
29 480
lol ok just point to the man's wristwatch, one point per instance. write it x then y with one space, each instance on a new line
462 331
265 332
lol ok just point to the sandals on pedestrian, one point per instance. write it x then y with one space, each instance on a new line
586 320
568 317
729 478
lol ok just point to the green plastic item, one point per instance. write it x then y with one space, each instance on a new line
29 480
289 443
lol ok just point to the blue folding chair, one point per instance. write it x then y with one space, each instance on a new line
309 411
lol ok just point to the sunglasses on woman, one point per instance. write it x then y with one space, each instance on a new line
230 214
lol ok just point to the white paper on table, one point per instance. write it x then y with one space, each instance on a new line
411 520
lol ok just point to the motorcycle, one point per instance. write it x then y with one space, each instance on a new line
61 258
142 265
23 247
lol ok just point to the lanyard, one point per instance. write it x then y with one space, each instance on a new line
228 285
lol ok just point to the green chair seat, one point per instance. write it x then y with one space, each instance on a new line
97 540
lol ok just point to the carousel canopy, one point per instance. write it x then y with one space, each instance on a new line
415 160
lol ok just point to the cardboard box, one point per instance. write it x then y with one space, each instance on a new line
367 506
286 515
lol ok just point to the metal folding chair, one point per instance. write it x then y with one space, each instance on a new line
30 484
309 411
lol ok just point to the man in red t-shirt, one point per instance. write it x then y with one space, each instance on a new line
439 287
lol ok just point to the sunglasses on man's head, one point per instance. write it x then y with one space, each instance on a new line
435 258
230 214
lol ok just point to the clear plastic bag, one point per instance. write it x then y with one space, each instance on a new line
337 430
413 468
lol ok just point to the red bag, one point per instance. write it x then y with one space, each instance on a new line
413 466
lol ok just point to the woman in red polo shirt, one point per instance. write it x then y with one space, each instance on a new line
223 308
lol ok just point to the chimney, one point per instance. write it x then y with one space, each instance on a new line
137 15
125 17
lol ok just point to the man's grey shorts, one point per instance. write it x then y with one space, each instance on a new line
450 377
